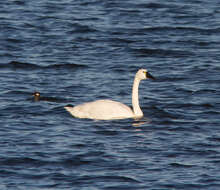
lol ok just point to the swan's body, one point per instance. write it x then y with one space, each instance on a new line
108 109
101 109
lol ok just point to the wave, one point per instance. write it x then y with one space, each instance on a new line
79 28
21 161
181 29
111 178
147 52
180 165
21 65
29 66
65 66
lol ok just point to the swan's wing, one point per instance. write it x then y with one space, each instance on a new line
102 109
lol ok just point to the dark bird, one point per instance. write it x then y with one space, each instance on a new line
38 97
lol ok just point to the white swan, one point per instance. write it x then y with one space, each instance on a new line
108 109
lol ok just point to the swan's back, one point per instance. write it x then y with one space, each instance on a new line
101 110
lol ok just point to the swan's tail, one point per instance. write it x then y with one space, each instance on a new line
69 107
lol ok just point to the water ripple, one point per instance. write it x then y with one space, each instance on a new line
79 51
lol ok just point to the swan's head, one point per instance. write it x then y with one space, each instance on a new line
144 74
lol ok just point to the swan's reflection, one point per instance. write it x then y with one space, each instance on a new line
141 121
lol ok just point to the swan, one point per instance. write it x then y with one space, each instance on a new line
109 109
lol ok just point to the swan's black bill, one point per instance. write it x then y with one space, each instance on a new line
149 76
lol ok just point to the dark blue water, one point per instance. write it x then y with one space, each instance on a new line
77 51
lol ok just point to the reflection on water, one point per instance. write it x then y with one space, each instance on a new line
141 121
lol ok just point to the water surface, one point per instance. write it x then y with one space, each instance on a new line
78 51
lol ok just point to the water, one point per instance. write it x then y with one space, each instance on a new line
78 51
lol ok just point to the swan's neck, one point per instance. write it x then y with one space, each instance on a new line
135 100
